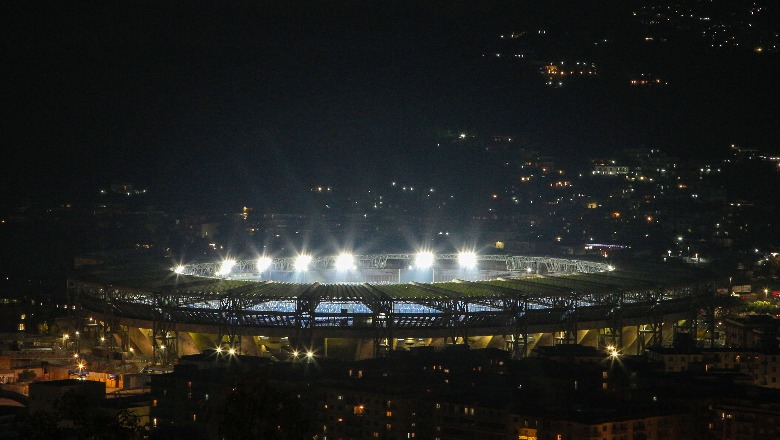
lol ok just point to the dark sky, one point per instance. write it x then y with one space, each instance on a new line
250 103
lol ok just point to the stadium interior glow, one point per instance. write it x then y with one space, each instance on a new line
302 263
467 260
226 267
263 263
345 262
424 260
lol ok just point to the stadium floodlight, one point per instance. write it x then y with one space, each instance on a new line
345 262
302 263
263 263
226 267
179 269
424 260
467 260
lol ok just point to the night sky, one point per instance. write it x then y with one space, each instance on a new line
210 105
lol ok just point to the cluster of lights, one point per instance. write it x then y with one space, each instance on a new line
226 267
263 263
343 262
302 263
309 355
467 260
231 351
424 260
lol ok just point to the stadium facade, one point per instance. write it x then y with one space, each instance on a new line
364 306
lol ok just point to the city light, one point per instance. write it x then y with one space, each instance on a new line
424 260
263 263
232 351
345 262
467 260
309 355
302 263
218 349
226 267
179 270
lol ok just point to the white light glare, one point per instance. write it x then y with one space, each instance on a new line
179 269
302 263
424 260
467 260
263 263
345 262
226 267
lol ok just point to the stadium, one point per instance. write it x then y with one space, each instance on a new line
363 306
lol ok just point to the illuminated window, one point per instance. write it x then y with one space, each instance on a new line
358 410
154 422
21 327
389 414
154 402
194 417
389 426
23 317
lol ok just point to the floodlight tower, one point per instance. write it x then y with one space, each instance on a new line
425 260
467 260
263 264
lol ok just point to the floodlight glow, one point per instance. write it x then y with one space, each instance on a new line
424 260
263 263
232 351
226 267
345 262
219 349
179 270
302 263
467 260
309 354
